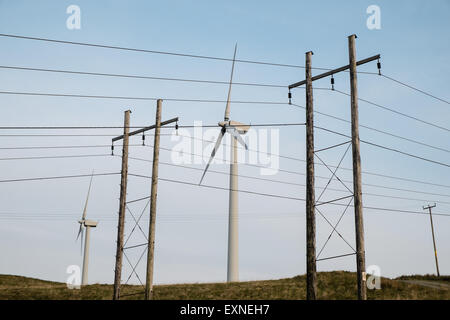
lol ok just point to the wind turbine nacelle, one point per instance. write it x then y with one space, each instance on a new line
240 127
90 223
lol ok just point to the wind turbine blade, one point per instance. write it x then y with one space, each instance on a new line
227 108
214 151
233 131
87 197
79 232
219 140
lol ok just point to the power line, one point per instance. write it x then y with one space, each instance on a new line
267 125
195 100
163 220
414 88
219 172
137 98
395 197
286 124
191 80
60 177
55 157
292 158
275 195
171 53
183 182
378 130
139 145
399 210
283 182
343 168
388 148
281 170
142 77
252 150
200 80
400 178
117 127
219 188
317 176
155 51
397 112
117 75
164 214
56 135
19 216
140 127
405 153
65 127
401 189
64 147
222 101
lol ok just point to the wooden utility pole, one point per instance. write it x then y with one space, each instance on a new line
123 200
153 197
311 275
432 233
359 226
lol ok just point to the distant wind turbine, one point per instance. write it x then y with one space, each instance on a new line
88 224
235 129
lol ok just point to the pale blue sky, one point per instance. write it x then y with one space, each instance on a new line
191 247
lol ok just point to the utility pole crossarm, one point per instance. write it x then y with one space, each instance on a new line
334 71
163 123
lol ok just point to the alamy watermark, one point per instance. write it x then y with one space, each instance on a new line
373 22
73 22
373 277
74 279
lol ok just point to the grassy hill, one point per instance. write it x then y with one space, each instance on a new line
331 285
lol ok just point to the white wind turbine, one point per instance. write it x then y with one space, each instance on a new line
88 224
235 129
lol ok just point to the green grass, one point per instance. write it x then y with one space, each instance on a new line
430 277
331 285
